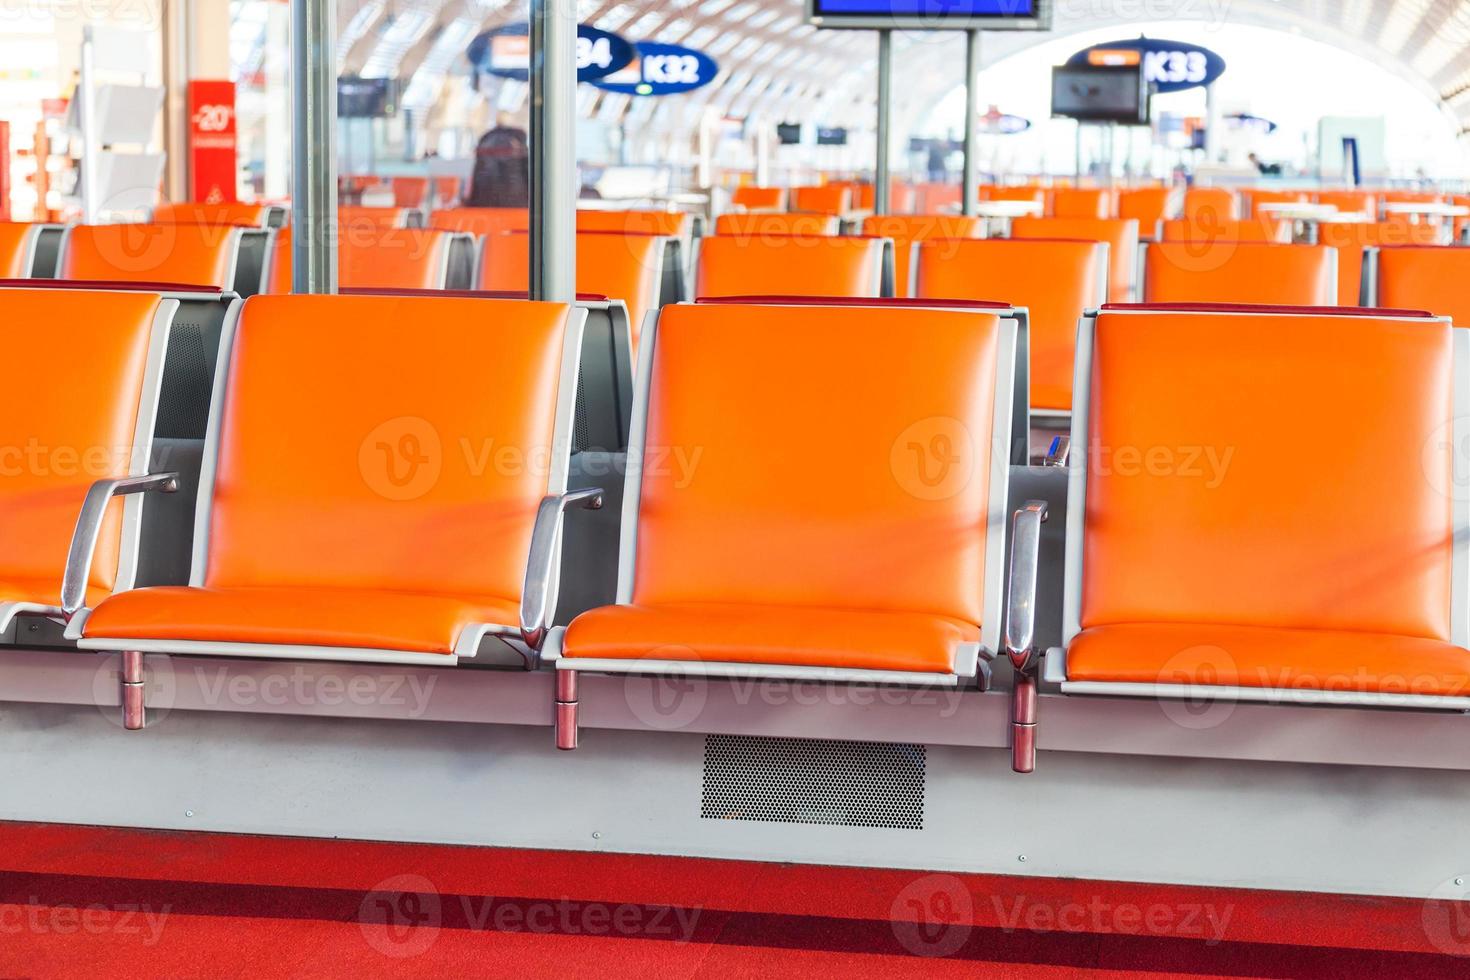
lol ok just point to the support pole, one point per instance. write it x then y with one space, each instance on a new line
881 178
87 121
177 71
553 150
972 109
313 146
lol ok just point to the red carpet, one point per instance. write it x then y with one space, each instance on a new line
81 902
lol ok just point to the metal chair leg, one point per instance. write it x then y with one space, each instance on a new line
566 709
1023 723
133 711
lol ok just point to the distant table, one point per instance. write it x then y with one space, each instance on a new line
1007 209
1298 210
1427 209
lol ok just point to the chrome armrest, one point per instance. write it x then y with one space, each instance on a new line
1020 632
536 611
1056 453
89 526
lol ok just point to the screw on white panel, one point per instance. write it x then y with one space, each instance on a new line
597 835
1459 881
188 813
1021 858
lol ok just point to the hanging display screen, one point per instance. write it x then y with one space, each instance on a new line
992 15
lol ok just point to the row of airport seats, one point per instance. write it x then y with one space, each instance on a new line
921 572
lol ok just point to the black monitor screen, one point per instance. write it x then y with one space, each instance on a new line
360 98
788 133
991 14
831 137
1097 93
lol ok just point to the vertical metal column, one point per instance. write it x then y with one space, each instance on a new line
882 181
177 71
972 136
313 146
87 120
553 150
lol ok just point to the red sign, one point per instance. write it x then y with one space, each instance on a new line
212 141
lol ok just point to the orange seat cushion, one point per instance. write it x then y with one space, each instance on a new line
44 591
307 616
15 238
1283 659
846 638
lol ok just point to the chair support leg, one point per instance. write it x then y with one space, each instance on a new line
1023 722
566 709
134 715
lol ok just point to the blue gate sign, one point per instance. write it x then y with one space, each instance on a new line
662 69
1172 66
506 51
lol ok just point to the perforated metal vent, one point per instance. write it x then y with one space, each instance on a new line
790 780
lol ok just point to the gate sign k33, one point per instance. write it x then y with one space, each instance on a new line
1171 66
506 51
662 69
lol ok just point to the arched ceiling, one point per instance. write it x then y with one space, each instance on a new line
774 65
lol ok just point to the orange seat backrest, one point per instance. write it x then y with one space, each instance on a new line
777 223
357 216
1055 280
481 221
795 265
191 255
822 199
1420 277
929 198
1120 234
15 249
674 224
368 256
199 212
447 190
1186 517
1208 228
907 229
625 267
1350 202
759 198
1350 240
394 476
83 420
1240 272
1218 203
1148 205
741 526
1072 202
410 192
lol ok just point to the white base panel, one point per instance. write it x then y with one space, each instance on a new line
1304 827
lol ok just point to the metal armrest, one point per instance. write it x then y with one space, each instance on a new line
89 526
1020 631
536 611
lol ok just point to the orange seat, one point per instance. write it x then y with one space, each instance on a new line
795 265
199 212
410 192
759 198
910 229
374 256
446 192
481 221
191 255
823 199
1149 206
1055 280
1240 272
63 429
1120 234
1351 202
623 267
671 224
1032 195
371 533
1203 204
1208 228
1073 202
17 248
777 223
729 567
1255 197
1431 277
366 217
933 198
1352 241
1198 569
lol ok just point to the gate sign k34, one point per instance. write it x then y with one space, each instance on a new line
506 51
661 69
1171 66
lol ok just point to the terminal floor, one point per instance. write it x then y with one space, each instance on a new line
92 902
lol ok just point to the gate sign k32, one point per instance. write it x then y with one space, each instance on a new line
661 69
506 51
1171 66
